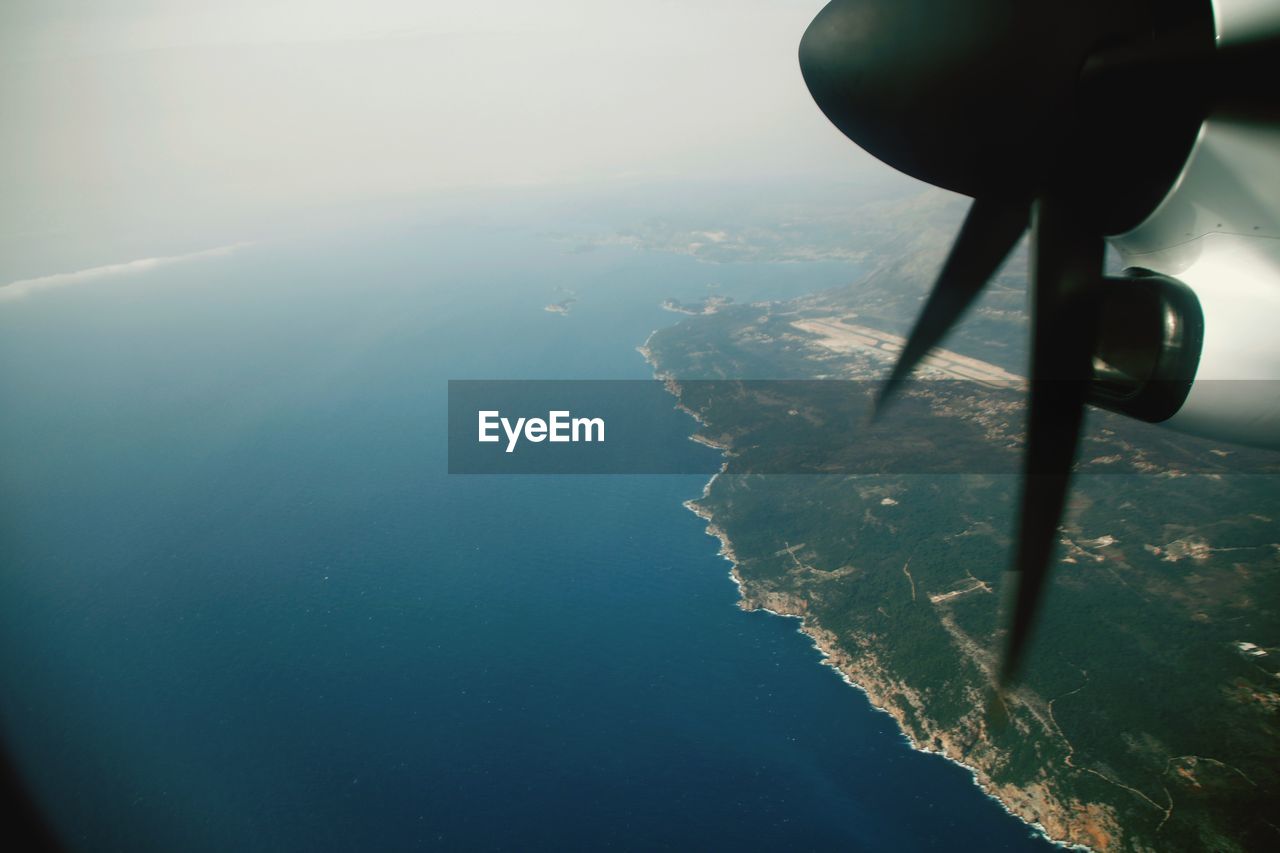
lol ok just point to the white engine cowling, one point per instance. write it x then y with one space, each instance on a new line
1218 232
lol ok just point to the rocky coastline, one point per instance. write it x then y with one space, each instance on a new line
1067 823
1070 824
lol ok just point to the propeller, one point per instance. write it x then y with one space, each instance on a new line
1079 116
990 231
1067 267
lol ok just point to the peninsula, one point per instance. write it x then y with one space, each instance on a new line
1149 714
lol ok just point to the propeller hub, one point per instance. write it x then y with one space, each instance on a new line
951 93
985 97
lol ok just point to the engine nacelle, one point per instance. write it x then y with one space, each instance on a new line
1235 394
1149 338
1200 362
1216 238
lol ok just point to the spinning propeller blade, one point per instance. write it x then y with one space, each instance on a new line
1067 268
989 233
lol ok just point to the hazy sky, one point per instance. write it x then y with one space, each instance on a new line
153 120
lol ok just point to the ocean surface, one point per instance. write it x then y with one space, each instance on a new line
243 607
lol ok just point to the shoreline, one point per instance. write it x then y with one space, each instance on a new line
839 660
825 644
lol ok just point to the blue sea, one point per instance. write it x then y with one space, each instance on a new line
243 606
